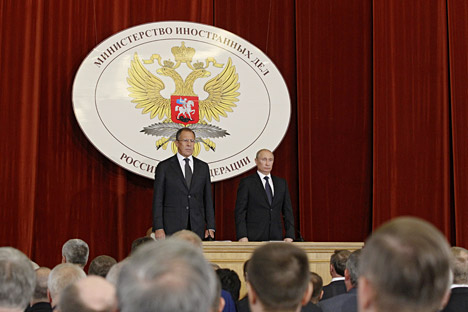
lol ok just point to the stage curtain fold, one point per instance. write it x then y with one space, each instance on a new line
412 172
334 109
458 56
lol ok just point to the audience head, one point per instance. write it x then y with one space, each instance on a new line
338 262
17 279
75 251
139 242
40 290
278 278
167 275
60 277
352 270
190 237
230 282
405 266
317 286
101 265
460 265
90 294
113 274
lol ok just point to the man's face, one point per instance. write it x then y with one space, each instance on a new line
265 162
185 143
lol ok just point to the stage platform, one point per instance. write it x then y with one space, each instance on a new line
232 255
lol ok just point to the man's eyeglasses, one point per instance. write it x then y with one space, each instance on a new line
187 140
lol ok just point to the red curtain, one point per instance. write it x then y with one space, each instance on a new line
378 127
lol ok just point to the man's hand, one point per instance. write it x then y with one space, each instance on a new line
244 239
209 233
289 240
159 234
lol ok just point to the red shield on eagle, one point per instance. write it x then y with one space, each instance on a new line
184 109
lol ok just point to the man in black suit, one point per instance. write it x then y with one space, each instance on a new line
261 200
337 267
182 192
459 295
346 302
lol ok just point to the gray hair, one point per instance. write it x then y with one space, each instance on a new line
61 276
76 251
17 279
407 264
352 265
165 276
460 265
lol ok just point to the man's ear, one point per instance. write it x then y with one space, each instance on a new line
446 299
308 293
253 299
64 260
366 295
347 276
222 303
321 295
49 297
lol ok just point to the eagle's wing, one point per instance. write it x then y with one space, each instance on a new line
223 94
145 90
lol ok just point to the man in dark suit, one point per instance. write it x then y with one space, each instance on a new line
459 294
346 302
261 200
337 268
182 192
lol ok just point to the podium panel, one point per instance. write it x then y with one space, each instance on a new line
232 255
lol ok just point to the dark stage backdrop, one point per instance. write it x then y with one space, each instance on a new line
379 125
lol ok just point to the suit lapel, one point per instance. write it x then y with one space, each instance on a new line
176 167
261 188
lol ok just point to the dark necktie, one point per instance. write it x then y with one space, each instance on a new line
188 172
268 190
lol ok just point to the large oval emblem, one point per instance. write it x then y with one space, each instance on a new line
137 88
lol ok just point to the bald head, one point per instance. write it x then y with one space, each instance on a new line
92 293
460 265
60 277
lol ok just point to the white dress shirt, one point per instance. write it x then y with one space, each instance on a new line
270 181
182 162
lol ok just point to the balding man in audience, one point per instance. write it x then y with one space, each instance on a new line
405 267
101 265
60 277
17 280
40 301
346 302
337 268
90 294
75 251
278 278
459 293
165 276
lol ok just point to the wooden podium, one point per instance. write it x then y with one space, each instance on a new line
232 255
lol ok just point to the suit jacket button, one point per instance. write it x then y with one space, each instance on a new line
187 207
188 196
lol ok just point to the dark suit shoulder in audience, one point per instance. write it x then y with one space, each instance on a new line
40 307
310 307
458 300
346 302
333 289
243 305
229 305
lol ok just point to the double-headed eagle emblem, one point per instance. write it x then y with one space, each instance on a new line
184 108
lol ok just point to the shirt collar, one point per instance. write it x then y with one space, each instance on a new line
261 175
181 158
